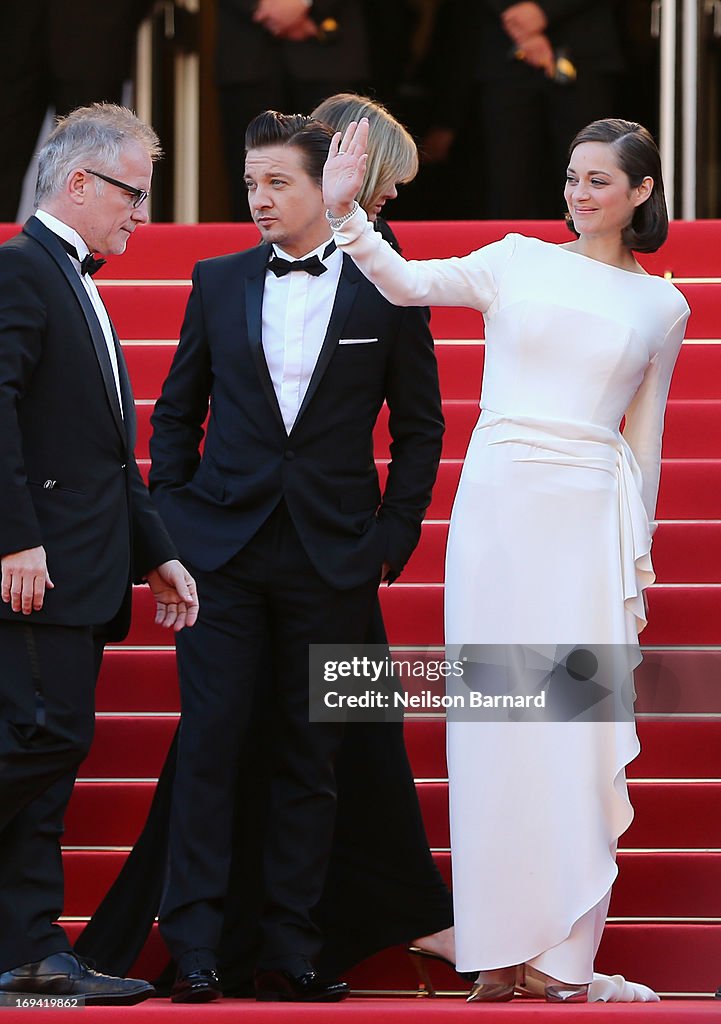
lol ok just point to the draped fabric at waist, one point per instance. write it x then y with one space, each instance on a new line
589 446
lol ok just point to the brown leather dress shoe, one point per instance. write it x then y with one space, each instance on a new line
278 986
64 976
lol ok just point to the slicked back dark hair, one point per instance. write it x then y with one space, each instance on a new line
311 137
638 156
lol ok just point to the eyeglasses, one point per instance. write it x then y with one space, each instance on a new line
139 194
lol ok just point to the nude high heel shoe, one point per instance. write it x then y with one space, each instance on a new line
493 986
419 958
535 983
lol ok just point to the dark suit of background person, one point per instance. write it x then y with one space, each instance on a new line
525 121
257 70
69 482
308 502
62 54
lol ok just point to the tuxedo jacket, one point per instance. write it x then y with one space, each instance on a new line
247 52
68 477
324 469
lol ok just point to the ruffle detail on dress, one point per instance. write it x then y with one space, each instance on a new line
634 534
592 446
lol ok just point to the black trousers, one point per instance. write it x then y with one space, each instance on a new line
527 123
47 684
268 597
382 887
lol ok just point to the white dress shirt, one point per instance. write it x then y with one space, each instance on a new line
71 236
296 312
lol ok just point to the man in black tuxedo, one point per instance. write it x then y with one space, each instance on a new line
284 523
76 526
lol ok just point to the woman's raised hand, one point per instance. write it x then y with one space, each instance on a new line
345 167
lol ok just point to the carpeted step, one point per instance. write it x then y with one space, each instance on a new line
692 428
682 553
668 682
413 615
669 815
460 366
649 884
692 248
669 749
128 747
107 813
669 957
143 680
673 958
690 488
163 251
154 311
134 746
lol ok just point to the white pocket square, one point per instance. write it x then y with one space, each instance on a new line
357 341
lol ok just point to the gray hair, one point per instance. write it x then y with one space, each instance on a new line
90 136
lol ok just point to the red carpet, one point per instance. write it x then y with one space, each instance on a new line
387 1011
665 923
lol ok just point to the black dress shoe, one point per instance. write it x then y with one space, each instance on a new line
277 986
201 986
64 975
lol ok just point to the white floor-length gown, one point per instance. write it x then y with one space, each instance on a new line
549 544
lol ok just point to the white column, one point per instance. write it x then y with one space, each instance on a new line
186 182
667 118
689 123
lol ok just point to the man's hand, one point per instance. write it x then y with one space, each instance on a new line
280 16
176 596
523 20
25 579
302 30
345 168
538 52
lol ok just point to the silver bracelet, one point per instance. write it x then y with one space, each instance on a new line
337 222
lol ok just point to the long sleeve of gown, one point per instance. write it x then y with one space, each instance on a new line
645 415
470 280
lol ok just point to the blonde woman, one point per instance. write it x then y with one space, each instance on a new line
392 154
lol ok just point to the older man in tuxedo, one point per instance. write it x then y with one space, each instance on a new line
285 527
77 526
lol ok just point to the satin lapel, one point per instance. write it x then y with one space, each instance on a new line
254 286
48 240
344 298
126 392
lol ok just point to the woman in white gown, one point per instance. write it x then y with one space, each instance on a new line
549 542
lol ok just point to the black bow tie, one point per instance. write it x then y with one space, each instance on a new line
89 264
313 265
